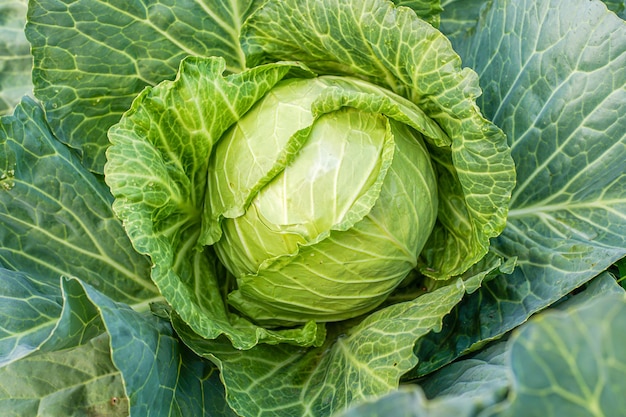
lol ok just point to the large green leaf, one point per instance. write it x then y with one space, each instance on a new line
15 60
103 358
56 217
570 362
29 312
554 80
462 389
78 382
566 361
359 360
391 47
157 170
93 57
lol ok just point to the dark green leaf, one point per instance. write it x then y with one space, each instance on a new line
103 358
617 6
56 217
554 80
29 310
93 57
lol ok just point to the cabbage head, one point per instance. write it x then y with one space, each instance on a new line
307 188
321 216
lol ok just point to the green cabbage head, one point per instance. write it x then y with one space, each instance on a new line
305 188
322 211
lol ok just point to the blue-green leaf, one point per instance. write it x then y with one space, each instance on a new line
56 217
103 358
570 362
559 92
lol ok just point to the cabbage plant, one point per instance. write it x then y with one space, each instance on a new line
312 208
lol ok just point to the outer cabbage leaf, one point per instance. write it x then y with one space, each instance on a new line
617 6
15 59
570 362
29 312
93 57
359 360
463 389
559 92
105 359
391 47
459 18
157 170
55 219
564 351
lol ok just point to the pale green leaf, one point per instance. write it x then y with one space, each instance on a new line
15 60
157 170
393 48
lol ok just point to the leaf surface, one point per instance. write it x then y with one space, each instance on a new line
56 217
570 362
563 350
92 58
55 220
104 358
15 60
559 93
359 360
